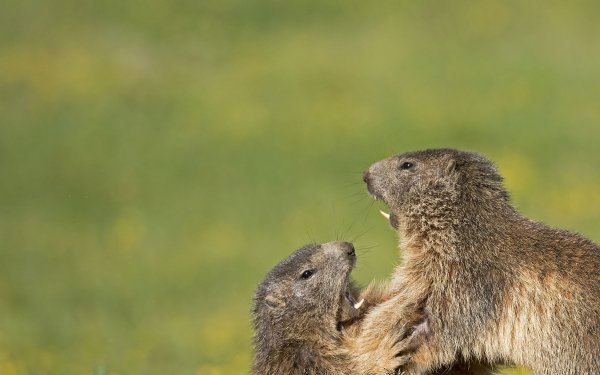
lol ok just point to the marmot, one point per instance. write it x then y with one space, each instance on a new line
300 310
492 284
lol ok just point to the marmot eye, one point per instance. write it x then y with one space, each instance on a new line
406 165
306 274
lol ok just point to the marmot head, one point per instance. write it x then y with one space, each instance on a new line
432 183
306 295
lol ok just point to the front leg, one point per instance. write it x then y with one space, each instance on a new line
387 337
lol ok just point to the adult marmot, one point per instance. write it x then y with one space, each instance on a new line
492 285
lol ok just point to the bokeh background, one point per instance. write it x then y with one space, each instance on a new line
158 157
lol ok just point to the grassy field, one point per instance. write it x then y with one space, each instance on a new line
158 157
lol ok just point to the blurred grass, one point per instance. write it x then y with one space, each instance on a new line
158 157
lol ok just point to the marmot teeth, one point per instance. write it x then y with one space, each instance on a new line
358 304
385 214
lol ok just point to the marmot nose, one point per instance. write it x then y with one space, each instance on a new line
351 253
366 176
348 248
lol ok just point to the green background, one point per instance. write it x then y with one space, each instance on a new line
158 157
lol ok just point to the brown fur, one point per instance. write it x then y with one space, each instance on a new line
299 321
493 285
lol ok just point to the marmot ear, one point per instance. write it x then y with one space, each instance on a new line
450 167
274 302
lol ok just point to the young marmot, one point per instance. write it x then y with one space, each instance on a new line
299 313
492 284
